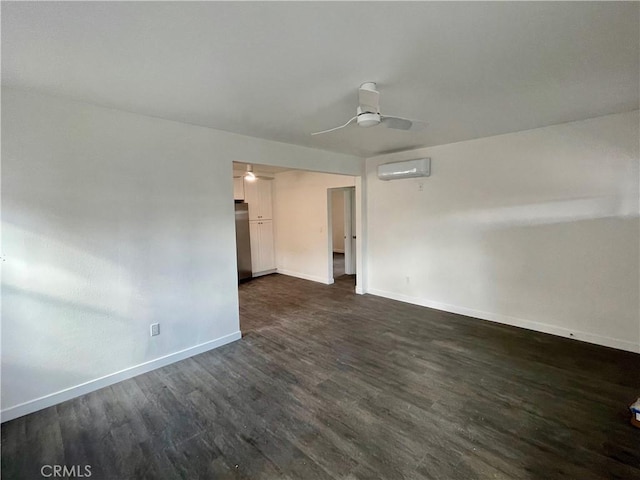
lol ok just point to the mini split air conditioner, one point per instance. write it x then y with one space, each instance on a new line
407 169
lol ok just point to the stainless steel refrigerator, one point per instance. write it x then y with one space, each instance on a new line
243 243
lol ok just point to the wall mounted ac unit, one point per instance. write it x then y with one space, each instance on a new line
407 169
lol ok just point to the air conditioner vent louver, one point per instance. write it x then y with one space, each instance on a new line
408 169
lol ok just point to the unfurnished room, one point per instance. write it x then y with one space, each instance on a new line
320 240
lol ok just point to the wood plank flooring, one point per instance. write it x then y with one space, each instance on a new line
327 384
338 264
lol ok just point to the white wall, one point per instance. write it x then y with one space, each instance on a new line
538 229
112 221
337 220
301 220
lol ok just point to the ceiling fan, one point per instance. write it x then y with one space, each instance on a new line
368 113
252 177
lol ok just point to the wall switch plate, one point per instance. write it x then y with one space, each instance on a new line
155 329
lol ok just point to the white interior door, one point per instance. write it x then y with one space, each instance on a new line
349 231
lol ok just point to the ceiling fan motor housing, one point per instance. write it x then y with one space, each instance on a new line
367 119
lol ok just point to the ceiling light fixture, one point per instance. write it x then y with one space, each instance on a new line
250 176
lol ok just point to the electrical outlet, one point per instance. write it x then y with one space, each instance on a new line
420 187
155 329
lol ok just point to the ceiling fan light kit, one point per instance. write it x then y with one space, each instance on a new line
368 113
249 175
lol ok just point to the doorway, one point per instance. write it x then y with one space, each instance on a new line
298 207
342 237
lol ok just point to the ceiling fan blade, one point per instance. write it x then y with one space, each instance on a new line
400 123
336 128
369 98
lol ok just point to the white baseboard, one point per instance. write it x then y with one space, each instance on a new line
264 272
313 278
513 321
93 385
360 290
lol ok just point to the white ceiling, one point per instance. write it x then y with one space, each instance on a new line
283 70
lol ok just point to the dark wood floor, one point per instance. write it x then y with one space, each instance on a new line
327 384
338 264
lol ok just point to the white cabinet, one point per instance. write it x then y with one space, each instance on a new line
254 236
238 188
258 195
262 251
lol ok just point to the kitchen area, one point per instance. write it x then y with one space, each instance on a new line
284 223
253 199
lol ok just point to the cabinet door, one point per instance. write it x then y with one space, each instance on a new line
264 199
252 198
254 236
238 188
267 254
258 195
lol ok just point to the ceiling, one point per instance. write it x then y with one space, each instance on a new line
281 70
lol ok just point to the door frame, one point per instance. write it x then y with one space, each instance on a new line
350 232
360 183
